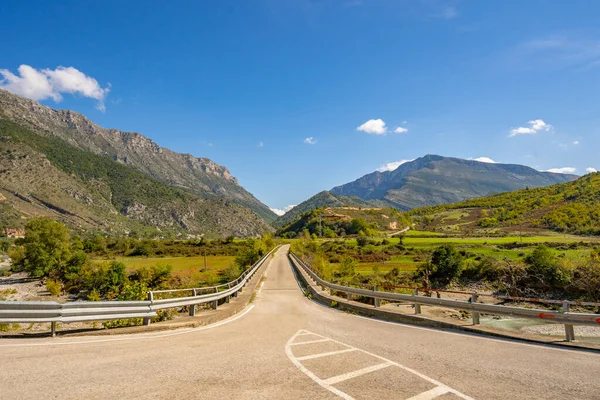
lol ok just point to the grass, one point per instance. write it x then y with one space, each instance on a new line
185 267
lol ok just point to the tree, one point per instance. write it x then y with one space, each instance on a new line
357 225
348 266
544 266
446 264
46 247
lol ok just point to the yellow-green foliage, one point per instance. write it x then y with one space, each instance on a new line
566 207
54 287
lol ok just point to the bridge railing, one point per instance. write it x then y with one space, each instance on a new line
83 311
562 317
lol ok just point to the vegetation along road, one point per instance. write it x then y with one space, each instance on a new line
286 346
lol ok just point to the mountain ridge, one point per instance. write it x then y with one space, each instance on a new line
195 174
428 181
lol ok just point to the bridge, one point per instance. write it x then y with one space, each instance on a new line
285 346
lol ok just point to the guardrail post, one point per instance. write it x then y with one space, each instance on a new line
53 328
569 329
417 306
193 306
474 314
375 299
150 299
215 303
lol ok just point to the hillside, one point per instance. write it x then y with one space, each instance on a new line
196 175
341 221
433 180
323 199
572 207
44 175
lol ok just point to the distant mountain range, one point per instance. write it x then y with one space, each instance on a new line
60 163
428 181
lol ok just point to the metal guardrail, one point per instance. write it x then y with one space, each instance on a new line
83 311
564 317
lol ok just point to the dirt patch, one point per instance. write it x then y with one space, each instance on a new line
27 289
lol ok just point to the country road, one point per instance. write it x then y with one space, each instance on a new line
284 346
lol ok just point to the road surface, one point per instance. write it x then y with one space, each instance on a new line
285 346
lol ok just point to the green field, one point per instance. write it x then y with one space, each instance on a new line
191 268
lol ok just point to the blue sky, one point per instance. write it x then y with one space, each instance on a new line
276 90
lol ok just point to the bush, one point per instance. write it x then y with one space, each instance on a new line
54 287
230 273
362 241
545 269
445 264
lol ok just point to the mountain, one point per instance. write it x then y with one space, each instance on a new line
196 175
571 207
41 173
427 181
341 221
324 199
433 179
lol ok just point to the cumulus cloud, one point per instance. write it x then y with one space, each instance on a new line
576 142
591 170
563 170
400 130
534 127
392 165
280 211
310 140
485 160
51 84
373 127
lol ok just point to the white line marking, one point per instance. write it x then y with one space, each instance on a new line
298 364
329 353
310 342
354 374
430 394
324 384
135 336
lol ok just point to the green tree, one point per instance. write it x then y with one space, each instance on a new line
544 267
348 266
446 264
357 225
46 247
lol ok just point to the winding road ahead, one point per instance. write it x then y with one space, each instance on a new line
285 346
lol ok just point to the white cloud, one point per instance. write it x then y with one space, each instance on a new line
591 170
260 144
563 170
50 84
534 127
404 122
373 127
400 130
576 142
485 160
310 140
280 211
392 165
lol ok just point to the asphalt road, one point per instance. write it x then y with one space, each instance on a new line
285 346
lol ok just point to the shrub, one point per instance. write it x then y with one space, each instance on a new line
54 287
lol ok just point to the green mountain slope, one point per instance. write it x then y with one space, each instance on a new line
44 175
196 175
341 221
572 207
324 199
